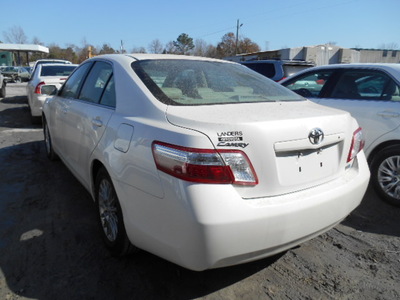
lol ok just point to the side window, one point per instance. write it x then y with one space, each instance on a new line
96 82
71 87
108 98
309 84
366 85
266 69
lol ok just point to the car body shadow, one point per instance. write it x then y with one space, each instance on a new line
51 247
15 115
375 215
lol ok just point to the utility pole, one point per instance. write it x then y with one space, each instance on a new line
122 47
237 35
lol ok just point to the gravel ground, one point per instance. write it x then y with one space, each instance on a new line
50 246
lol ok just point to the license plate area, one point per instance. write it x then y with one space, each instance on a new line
307 165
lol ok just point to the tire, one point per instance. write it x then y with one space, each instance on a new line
110 216
18 80
36 120
385 174
3 91
48 143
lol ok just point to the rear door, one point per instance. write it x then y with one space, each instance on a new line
86 118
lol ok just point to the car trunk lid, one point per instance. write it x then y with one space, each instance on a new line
282 140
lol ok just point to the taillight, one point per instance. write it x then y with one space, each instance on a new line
38 89
204 165
357 144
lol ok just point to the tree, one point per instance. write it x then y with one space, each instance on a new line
106 49
155 47
200 48
170 48
56 52
15 35
183 44
36 41
211 51
139 50
228 46
247 46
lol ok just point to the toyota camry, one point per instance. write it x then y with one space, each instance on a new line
203 162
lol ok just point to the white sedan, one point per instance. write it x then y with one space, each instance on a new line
371 93
45 79
203 162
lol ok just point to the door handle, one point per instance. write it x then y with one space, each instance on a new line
97 122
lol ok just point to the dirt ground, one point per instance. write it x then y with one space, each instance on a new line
50 246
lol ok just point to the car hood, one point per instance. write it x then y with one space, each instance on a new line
275 137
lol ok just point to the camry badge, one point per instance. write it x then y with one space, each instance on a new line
316 136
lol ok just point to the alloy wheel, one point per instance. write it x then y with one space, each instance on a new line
389 176
108 210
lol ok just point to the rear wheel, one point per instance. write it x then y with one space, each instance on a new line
385 174
110 216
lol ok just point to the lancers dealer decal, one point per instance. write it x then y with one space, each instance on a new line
231 139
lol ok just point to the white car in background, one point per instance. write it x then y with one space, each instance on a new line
46 79
203 162
371 93
48 61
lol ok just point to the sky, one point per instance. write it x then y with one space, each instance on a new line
272 24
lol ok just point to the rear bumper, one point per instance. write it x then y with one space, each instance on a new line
210 226
36 104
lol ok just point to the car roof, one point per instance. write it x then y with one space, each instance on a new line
58 65
51 60
123 58
276 61
382 66
388 67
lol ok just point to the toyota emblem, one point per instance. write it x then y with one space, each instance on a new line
316 136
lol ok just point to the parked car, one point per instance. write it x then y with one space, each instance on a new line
29 69
277 69
15 74
49 61
46 79
371 93
203 162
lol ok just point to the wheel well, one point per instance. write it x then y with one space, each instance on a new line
380 147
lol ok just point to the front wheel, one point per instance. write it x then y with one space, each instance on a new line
110 216
385 174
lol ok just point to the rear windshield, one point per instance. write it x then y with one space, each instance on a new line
57 70
195 82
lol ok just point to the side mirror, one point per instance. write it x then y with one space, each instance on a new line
49 90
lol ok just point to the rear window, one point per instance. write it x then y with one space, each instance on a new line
193 82
57 70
